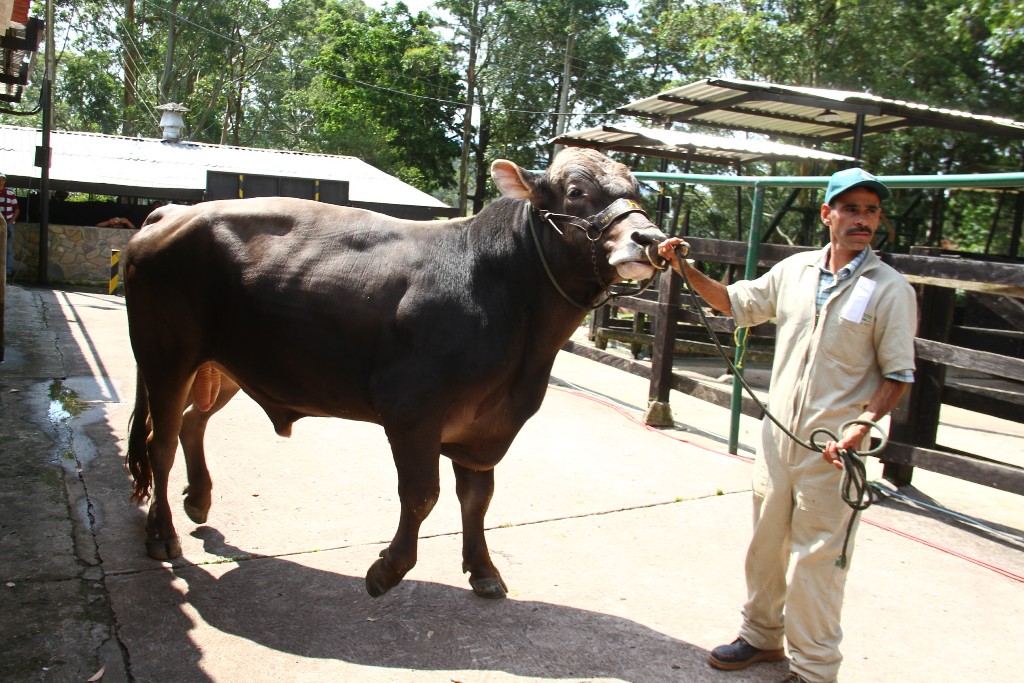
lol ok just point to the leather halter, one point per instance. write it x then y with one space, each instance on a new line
597 223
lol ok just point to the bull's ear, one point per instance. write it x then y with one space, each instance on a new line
511 180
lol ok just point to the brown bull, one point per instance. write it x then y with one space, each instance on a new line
443 332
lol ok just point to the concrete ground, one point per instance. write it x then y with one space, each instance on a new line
622 545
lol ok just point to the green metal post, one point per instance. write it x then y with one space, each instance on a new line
753 247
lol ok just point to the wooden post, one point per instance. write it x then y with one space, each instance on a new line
639 327
1015 232
915 420
598 319
659 410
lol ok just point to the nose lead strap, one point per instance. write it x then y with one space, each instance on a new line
614 211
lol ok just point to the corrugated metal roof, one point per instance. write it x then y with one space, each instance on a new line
133 166
686 145
775 109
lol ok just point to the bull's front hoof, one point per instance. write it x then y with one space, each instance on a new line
197 504
197 512
492 588
162 550
380 578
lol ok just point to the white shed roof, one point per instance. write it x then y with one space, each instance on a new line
134 166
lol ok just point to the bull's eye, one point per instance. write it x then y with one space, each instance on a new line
574 193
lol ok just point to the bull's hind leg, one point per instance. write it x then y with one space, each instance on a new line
198 493
418 489
166 403
475 489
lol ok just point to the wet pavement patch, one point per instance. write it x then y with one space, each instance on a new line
64 401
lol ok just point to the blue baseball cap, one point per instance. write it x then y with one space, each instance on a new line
841 181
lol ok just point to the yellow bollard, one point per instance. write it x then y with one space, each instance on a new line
115 263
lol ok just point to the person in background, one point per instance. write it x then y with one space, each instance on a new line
116 222
9 209
844 351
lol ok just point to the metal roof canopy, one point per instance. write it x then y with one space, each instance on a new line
812 115
686 146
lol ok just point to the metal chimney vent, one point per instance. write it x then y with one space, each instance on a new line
171 121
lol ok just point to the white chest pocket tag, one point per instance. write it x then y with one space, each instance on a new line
858 301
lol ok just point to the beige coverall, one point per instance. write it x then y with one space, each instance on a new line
826 369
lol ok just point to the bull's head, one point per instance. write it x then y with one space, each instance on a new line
587 190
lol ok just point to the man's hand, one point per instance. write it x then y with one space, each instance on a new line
853 438
667 250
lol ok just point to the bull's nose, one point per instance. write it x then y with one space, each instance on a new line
649 241
646 239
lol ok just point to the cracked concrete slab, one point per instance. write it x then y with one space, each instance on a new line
57 622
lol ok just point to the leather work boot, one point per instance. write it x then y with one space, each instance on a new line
740 654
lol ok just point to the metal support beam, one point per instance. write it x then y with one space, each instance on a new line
952 181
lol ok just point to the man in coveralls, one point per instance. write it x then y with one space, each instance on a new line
844 350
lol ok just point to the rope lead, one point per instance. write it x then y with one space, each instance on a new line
854 477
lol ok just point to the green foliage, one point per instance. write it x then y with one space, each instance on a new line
88 94
385 92
519 49
527 56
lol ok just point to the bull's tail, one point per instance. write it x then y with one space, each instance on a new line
139 428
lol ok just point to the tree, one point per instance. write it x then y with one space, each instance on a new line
87 88
385 91
513 52
277 111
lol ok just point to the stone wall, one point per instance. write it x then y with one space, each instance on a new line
78 254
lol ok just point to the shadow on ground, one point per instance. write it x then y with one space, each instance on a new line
424 626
